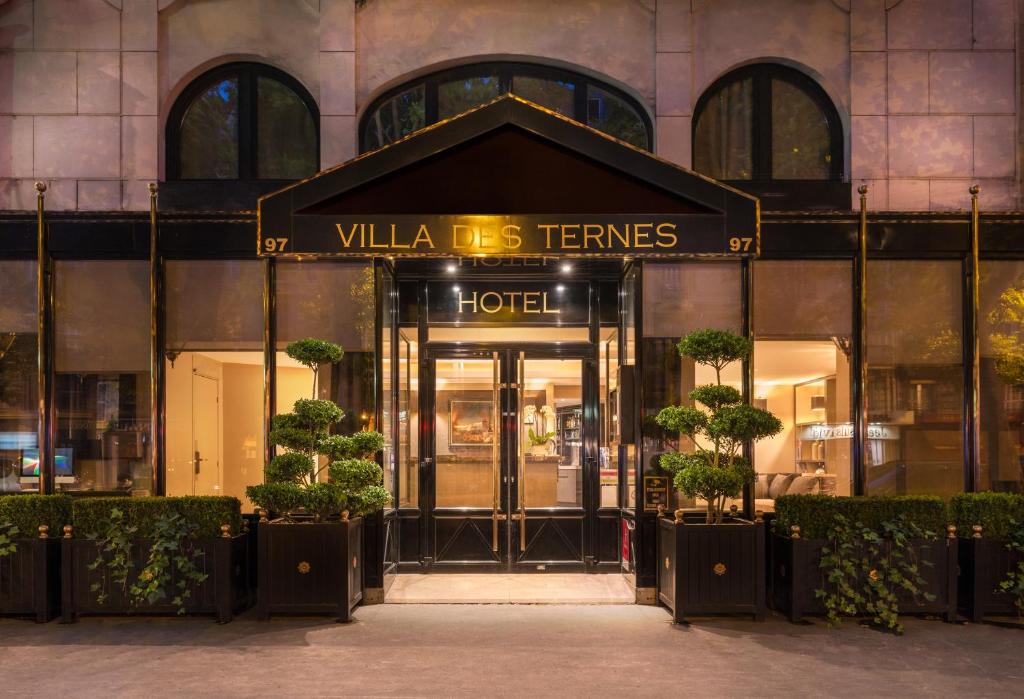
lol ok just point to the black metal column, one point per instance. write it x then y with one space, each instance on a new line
860 359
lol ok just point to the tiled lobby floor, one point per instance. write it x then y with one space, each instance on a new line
502 588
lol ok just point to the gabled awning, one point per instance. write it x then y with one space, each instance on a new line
508 178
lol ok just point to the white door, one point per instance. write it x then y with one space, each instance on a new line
206 435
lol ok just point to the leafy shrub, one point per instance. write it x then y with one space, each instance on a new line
359 445
816 514
91 516
290 467
997 513
277 497
27 512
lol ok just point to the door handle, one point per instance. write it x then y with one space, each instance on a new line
197 460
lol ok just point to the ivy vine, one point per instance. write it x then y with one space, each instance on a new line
1014 582
172 550
865 571
8 534
113 554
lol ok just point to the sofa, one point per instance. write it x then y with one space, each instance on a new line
769 486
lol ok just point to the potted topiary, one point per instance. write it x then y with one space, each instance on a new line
991 527
309 556
713 563
30 554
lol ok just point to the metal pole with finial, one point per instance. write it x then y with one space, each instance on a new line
973 463
156 440
42 339
861 347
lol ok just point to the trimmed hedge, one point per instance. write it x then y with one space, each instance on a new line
27 512
815 513
207 512
997 513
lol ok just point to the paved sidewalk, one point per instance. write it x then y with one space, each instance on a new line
504 650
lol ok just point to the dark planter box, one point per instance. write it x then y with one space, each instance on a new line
30 580
224 593
711 569
984 563
310 568
796 575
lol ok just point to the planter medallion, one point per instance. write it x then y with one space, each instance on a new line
304 567
719 569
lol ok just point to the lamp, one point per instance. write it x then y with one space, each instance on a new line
818 402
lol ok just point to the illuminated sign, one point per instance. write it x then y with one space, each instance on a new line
845 431
528 303
505 235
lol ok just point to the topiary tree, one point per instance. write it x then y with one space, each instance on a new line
293 479
716 469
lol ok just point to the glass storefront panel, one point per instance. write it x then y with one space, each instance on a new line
466 432
213 368
19 378
803 315
408 419
553 443
101 318
386 280
915 385
334 302
1001 398
680 298
608 365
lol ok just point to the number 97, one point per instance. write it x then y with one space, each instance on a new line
275 244
740 244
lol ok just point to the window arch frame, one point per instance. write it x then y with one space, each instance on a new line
248 74
761 75
505 70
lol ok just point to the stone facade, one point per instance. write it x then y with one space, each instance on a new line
928 90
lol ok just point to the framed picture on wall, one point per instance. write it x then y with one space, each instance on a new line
471 423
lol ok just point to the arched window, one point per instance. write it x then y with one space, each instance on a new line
243 121
765 125
444 94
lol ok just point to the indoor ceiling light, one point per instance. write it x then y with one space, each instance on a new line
566 267
450 268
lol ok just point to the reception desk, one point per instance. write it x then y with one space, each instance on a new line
468 481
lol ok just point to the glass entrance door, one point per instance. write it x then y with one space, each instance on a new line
511 454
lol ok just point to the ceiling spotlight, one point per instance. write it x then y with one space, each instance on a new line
566 267
450 268
457 288
560 288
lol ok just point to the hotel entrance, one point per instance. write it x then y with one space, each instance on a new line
508 318
511 464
